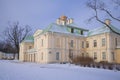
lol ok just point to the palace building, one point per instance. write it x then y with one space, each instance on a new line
62 40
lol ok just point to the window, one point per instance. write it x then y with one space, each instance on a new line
87 54
83 55
87 44
71 54
72 30
95 43
95 55
82 44
103 41
57 56
42 42
81 32
49 52
41 56
103 55
30 47
72 43
113 56
115 41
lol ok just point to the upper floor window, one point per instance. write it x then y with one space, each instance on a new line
103 55
115 41
103 42
82 44
87 44
30 47
95 43
57 56
72 43
42 42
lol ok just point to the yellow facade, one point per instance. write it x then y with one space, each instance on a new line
55 47
117 55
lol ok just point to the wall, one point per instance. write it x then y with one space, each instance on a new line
99 48
60 42
117 55
24 46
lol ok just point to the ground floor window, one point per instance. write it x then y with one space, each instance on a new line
103 55
113 56
41 56
95 55
83 55
87 54
57 55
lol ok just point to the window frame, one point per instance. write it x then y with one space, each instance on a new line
87 44
95 56
103 42
104 55
94 43
57 55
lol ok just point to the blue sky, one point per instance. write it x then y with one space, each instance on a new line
40 13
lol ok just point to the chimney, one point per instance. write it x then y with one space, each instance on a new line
58 21
70 20
108 21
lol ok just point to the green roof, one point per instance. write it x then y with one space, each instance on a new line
103 29
53 27
29 39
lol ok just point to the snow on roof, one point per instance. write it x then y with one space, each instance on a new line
63 29
73 25
101 30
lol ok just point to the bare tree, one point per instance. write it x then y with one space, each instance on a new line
15 34
97 6
2 46
117 2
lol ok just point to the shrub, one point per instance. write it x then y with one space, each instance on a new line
104 62
117 68
82 60
110 67
98 66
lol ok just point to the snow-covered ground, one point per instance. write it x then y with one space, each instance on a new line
15 70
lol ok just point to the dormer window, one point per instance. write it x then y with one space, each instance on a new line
81 32
72 30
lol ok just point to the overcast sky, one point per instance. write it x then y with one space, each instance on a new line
40 13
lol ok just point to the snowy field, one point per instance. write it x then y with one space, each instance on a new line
15 70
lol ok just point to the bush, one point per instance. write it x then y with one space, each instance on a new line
117 68
98 66
104 62
82 60
110 67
